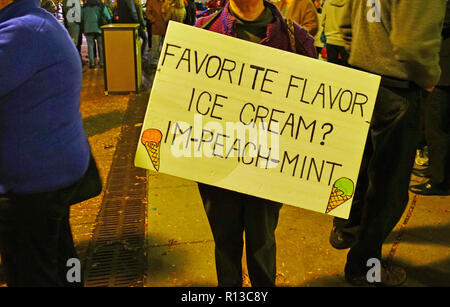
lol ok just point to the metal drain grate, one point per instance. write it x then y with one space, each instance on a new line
116 256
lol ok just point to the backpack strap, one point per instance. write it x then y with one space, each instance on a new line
291 32
290 27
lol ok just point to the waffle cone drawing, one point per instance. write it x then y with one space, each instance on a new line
151 139
341 192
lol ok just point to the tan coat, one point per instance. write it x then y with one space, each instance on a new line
155 12
302 12
176 10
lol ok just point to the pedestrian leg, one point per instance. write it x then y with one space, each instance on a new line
261 220
224 211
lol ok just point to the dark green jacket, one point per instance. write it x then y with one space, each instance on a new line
91 14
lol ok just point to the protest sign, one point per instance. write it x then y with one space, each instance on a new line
257 120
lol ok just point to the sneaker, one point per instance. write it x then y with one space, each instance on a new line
391 276
341 240
429 188
423 172
422 156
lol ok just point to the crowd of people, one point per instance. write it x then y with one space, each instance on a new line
405 42
85 17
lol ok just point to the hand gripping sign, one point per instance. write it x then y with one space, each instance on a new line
257 120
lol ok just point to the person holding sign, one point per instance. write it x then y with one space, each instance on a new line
230 213
400 41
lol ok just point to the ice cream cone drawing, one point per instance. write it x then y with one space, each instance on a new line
341 191
151 138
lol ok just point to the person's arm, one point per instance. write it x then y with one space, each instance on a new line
345 24
310 19
140 13
166 12
304 43
106 14
149 10
132 8
416 37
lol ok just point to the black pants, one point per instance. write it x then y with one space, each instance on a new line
230 215
149 33
35 236
36 242
437 134
381 192
337 55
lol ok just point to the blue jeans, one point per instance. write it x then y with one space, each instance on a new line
91 37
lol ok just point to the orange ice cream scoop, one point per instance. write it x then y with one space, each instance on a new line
151 138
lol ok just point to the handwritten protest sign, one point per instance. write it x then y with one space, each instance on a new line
257 120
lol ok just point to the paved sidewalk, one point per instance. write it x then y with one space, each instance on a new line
181 249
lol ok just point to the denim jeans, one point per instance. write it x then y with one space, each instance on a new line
90 38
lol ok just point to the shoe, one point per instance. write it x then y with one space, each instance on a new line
423 172
429 188
341 240
422 156
91 66
391 276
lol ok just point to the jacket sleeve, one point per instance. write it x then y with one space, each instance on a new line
304 42
345 23
310 19
416 37
149 10
132 8
106 14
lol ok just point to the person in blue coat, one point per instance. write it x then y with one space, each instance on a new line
45 158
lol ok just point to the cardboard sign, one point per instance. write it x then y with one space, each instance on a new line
257 120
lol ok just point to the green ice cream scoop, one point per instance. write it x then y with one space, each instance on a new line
345 185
